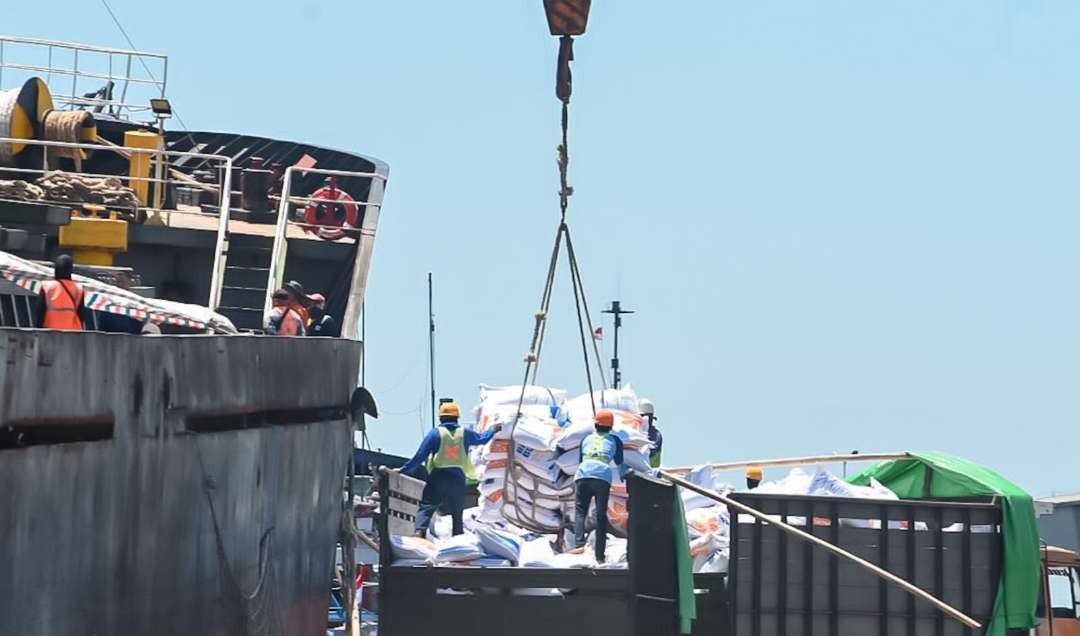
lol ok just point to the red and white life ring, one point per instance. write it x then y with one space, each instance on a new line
333 216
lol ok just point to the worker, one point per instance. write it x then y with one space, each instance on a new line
445 452
60 302
298 301
592 482
283 319
322 323
648 413
754 475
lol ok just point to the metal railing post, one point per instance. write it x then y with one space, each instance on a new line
75 77
277 267
220 246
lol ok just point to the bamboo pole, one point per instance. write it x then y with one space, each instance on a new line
840 552
795 461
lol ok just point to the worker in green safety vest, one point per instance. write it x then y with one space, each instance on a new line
445 453
592 482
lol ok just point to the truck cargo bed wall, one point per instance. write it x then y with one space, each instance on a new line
534 602
781 586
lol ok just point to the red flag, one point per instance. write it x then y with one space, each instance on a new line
307 161
598 333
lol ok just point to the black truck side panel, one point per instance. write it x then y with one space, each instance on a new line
785 586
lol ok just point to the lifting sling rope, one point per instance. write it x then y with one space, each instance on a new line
525 516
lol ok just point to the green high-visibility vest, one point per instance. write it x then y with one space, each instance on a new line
452 452
597 448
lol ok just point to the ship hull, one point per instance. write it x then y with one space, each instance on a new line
211 505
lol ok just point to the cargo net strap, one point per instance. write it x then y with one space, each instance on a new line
525 516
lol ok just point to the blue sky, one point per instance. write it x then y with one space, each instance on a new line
844 225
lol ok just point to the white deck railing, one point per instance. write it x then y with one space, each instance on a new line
159 158
82 70
284 220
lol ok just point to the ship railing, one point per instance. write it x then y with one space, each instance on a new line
286 218
163 176
120 82
17 307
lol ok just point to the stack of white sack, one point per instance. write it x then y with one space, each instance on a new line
536 497
708 524
825 484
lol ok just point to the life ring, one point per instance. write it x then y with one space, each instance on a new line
333 215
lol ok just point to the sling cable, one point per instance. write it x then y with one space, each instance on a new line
566 19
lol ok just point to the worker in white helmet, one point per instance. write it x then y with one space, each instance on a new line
648 413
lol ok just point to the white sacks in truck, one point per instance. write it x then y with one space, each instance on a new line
568 461
500 543
500 403
581 408
522 512
463 547
533 432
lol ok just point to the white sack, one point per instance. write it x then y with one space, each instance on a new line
464 547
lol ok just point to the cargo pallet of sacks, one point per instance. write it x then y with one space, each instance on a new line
535 488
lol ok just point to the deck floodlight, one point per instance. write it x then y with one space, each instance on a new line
567 17
161 107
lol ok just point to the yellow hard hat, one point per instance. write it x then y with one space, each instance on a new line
449 409
754 472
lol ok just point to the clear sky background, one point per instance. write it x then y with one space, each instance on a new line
844 224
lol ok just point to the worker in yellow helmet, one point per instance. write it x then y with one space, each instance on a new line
754 475
445 451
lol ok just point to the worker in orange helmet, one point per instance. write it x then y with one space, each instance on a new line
592 482
60 302
444 454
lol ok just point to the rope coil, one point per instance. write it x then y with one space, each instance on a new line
66 126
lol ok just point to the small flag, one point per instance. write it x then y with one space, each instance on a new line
598 333
307 161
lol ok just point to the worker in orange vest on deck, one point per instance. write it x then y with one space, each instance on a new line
283 319
60 302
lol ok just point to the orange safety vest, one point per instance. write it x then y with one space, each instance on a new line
63 298
291 324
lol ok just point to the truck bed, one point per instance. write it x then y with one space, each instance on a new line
777 585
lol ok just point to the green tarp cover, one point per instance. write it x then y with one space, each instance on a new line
955 477
684 565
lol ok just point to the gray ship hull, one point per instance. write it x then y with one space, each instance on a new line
170 485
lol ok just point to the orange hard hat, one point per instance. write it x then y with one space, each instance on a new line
605 417
754 472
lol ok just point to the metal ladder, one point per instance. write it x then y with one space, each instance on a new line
245 278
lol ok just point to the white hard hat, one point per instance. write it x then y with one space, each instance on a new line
646 407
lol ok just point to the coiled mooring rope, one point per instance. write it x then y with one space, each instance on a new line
66 126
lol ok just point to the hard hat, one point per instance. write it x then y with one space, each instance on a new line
449 409
295 288
605 417
645 407
754 472
317 299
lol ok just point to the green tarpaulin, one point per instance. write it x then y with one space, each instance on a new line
684 565
952 476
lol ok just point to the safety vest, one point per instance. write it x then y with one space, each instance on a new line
291 324
63 298
597 449
452 452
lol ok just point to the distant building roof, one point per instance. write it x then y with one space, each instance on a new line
1062 500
